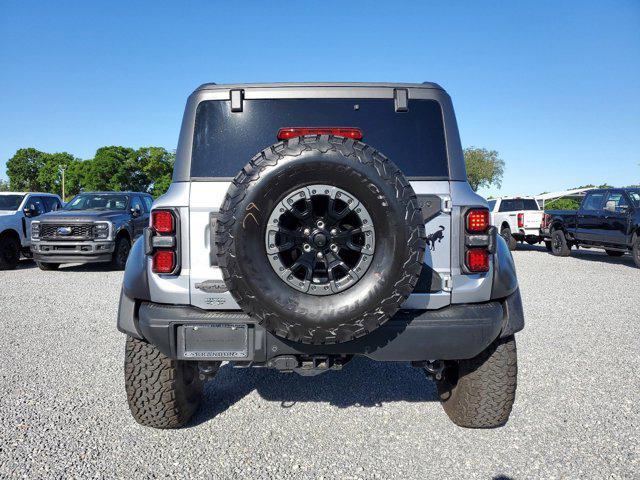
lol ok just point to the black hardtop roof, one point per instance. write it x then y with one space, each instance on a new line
605 190
215 86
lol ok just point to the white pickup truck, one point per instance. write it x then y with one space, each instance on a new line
517 219
17 210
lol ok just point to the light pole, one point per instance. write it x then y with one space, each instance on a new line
62 168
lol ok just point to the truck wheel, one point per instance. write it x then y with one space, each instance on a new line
559 245
547 245
120 253
162 393
479 392
636 251
614 253
9 252
321 239
47 266
511 242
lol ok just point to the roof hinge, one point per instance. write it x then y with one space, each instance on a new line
237 97
401 99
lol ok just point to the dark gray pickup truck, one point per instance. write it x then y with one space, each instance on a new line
92 227
608 219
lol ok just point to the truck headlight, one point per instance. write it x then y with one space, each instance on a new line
102 230
35 229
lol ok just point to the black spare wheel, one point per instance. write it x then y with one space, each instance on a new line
320 238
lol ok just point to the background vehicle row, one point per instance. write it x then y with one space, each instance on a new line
17 211
607 218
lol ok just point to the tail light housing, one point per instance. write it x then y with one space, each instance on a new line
162 221
478 259
478 241
293 132
164 261
546 219
477 220
162 242
521 220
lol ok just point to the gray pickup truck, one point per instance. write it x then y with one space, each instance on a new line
308 224
93 227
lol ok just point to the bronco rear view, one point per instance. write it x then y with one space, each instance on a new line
308 224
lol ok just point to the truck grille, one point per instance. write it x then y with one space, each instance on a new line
78 231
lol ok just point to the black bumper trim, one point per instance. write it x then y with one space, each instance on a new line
451 333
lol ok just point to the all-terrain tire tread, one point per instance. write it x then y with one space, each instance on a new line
155 394
485 390
358 152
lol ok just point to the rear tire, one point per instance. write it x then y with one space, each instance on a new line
479 392
511 242
120 253
636 251
161 392
614 253
547 245
559 245
47 266
9 252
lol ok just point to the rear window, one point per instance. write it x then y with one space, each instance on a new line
225 141
517 204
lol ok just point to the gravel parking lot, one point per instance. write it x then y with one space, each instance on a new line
577 414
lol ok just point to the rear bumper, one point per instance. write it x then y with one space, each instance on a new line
451 333
72 252
529 233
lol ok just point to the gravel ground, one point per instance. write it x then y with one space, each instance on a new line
577 414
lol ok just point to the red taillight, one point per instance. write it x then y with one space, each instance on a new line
164 261
545 220
293 132
521 220
162 221
477 220
478 260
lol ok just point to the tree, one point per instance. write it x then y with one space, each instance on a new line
562 204
4 186
108 170
23 167
484 167
50 177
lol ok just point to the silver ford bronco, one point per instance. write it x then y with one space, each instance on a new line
308 224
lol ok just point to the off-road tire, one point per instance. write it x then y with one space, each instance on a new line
162 392
614 253
9 252
636 250
547 245
512 243
330 160
120 253
46 266
559 245
479 393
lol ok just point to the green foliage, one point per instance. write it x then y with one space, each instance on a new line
484 167
562 204
147 169
4 186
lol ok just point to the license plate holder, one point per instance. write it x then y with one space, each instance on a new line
217 341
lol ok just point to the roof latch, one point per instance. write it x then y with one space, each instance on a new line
401 99
237 96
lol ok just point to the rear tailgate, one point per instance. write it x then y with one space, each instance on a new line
533 219
225 138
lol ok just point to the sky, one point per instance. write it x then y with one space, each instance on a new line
553 86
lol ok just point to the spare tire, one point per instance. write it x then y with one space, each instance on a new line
320 238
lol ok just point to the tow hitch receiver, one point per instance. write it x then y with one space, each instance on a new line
307 366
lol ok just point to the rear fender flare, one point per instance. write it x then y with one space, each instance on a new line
505 280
